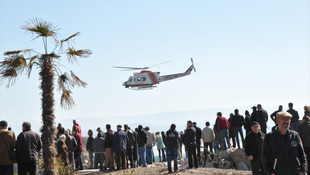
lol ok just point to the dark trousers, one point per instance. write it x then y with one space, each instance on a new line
256 165
307 151
129 154
6 169
198 148
70 157
120 158
99 159
192 154
27 167
78 161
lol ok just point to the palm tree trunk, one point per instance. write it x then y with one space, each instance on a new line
48 129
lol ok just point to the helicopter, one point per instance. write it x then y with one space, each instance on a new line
147 79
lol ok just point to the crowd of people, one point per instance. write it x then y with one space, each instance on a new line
284 150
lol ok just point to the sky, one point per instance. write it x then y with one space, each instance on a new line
245 53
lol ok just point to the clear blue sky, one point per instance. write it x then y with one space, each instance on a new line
245 52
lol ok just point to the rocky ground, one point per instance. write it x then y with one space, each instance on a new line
164 170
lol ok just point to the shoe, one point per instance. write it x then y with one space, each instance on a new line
170 172
176 171
189 168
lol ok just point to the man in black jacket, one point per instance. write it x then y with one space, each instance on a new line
109 159
252 147
238 122
71 144
262 118
282 151
304 133
28 146
295 117
141 145
198 138
131 144
89 148
172 148
190 141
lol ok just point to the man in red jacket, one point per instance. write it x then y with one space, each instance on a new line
78 150
222 127
77 126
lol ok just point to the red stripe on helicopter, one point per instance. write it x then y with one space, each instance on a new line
152 76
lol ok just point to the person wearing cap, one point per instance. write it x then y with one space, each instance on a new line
120 142
252 147
304 133
282 151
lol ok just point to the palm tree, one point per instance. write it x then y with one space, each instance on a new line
18 61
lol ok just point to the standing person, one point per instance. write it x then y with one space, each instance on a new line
274 114
295 118
306 111
141 145
253 114
282 151
62 149
7 141
208 138
120 142
247 120
149 145
262 118
77 152
130 147
60 130
71 144
252 147
135 148
231 132
109 159
222 127
89 148
238 121
198 138
180 145
160 147
28 146
172 148
77 126
304 133
99 131
98 146
190 140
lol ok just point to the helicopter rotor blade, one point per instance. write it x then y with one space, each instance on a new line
193 64
160 64
131 68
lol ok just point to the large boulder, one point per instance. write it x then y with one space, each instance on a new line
243 166
238 156
225 164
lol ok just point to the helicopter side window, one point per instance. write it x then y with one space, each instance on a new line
143 79
130 79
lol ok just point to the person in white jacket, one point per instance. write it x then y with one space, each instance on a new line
208 137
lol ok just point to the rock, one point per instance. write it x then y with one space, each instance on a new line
243 166
238 156
225 164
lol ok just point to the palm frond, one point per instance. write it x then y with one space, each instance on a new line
47 56
10 75
66 100
65 82
77 80
15 52
70 37
40 27
74 54
16 62
31 63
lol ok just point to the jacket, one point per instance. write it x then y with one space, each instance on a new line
79 140
261 117
222 123
283 154
207 134
253 144
294 113
78 127
120 141
71 143
150 139
198 134
304 133
98 144
28 146
108 139
190 135
62 151
160 142
89 143
238 121
142 138
7 141
172 139
131 138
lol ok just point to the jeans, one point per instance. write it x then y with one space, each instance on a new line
142 155
163 156
236 131
224 134
78 161
6 169
294 126
24 167
172 154
91 158
129 156
149 154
